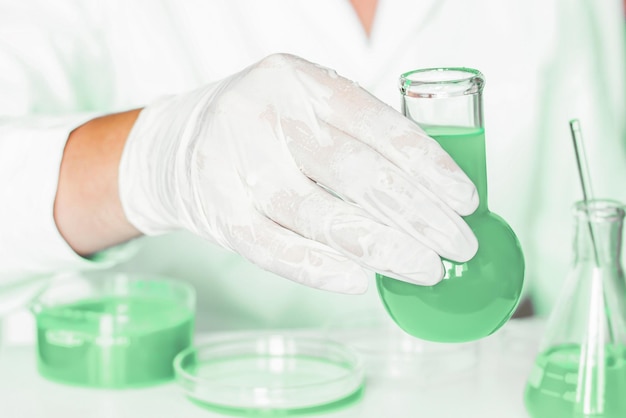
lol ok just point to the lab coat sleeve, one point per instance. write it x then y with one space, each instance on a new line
46 51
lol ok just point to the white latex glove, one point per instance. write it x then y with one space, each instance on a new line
240 162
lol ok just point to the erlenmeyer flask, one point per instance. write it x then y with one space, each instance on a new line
476 297
581 369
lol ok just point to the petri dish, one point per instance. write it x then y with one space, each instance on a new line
112 330
270 373
391 354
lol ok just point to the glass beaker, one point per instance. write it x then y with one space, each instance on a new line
112 330
581 369
477 297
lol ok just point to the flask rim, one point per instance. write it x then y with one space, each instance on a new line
599 210
441 82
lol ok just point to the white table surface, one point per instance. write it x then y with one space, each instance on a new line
493 387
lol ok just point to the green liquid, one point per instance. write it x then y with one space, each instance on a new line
553 385
477 297
312 411
134 346
289 373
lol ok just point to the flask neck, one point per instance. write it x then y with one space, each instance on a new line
447 104
467 147
598 233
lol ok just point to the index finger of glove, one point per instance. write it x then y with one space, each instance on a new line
353 110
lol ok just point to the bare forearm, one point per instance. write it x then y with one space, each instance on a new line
87 208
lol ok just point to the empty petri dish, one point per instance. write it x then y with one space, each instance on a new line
390 353
270 372
112 330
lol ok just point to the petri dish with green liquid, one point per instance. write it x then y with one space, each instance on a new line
270 374
475 298
112 330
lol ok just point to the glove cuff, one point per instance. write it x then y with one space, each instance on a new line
151 171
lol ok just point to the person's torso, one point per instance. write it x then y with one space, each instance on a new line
165 47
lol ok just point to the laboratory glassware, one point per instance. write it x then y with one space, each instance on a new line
112 330
390 353
476 297
270 374
581 369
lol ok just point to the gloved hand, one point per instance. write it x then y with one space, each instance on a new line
302 172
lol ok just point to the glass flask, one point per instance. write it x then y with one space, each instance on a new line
477 297
581 369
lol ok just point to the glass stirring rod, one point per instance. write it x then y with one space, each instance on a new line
583 174
585 184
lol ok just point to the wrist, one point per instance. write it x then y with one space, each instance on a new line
87 208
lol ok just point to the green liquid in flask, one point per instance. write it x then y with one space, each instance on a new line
552 387
477 297
133 343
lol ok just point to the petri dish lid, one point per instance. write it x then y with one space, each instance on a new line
269 372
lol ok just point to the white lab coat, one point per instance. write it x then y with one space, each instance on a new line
545 62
